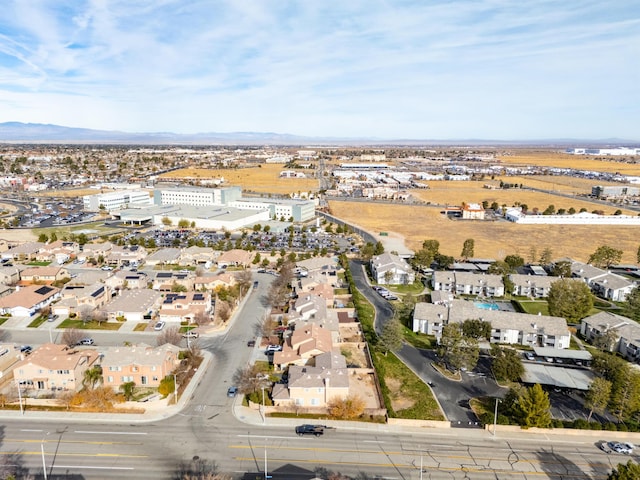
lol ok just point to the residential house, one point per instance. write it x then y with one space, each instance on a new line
190 307
27 301
197 256
314 386
390 269
534 286
126 255
59 251
89 277
506 327
304 343
166 280
213 282
133 305
43 275
53 367
234 258
9 356
95 251
307 307
125 279
9 275
472 211
76 299
23 252
624 333
164 256
143 365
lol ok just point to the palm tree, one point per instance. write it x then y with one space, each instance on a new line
92 377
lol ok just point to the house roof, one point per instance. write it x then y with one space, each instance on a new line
133 301
138 355
28 296
59 357
42 271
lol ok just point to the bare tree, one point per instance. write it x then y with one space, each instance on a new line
244 279
169 335
250 379
85 313
72 336
223 310
202 318
268 326
100 316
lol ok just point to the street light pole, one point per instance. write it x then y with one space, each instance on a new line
175 388
20 398
44 464
264 412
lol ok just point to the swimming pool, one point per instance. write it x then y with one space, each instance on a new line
487 306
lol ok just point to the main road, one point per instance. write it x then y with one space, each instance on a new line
105 447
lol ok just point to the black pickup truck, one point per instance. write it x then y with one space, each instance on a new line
316 430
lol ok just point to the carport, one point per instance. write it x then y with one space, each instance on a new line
559 377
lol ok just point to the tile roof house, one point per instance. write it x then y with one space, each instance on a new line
302 345
26 301
142 364
197 256
390 269
234 258
54 367
59 251
134 305
185 307
43 275
126 255
24 251
9 275
211 282
314 386
165 280
75 299
164 256
95 250
506 327
602 282
306 307
125 279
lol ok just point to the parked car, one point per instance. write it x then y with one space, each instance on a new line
86 341
391 297
315 430
274 348
52 317
159 325
26 349
232 391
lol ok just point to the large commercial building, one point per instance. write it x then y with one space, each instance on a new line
116 200
197 197
299 210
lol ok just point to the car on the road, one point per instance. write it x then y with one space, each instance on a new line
26 349
86 341
255 284
315 430
159 325
391 297
251 343
232 391
274 348
621 447
190 334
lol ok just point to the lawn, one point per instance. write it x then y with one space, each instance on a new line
89 229
419 340
92 325
37 321
534 307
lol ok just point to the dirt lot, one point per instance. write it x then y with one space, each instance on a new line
492 239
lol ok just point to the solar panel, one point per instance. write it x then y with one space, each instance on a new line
98 292
44 290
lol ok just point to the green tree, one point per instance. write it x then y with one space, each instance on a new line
514 261
545 256
43 238
92 377
550 210
166 221
456 350
570 299
444 261
177 287
625 471
499 267
561 269
605 256
257 258
632 304
127 390
467 248
534 408
625 396
506 363
476 328
597 397
378 249
183 223
391 335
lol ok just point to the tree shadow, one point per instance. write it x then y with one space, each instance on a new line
557 465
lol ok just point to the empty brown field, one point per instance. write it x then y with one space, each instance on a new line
569 185
454 193
550 158
492 239
262 179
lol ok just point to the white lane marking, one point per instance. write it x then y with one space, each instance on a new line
111 433
87 467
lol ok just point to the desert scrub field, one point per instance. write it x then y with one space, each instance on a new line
550 158
454 193
263 178
492 239
570 185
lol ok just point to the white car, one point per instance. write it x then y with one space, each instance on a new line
274 348
158 326
621 447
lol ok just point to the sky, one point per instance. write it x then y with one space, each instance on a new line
380 69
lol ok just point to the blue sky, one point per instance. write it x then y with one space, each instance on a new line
388 69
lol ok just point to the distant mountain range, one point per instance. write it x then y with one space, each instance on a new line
17 132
